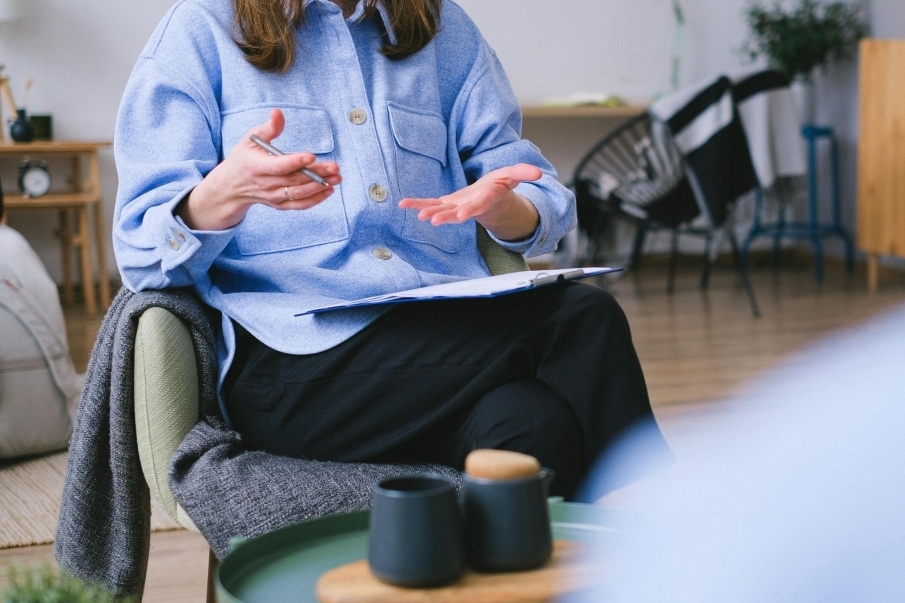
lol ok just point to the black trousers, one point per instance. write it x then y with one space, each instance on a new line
550 372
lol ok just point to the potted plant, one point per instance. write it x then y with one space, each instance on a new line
797 40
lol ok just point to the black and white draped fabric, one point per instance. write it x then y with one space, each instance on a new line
772 124
736 136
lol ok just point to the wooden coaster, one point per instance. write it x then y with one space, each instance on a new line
567 571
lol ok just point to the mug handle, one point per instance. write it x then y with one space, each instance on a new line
547 475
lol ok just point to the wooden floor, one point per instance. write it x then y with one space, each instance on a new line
697 348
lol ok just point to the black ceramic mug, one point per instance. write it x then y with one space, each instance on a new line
507 522
43 126
416 532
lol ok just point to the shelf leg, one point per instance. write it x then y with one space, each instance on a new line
103 277
85 252
94 176
66 256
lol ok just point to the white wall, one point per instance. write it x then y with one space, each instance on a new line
889 18
81 53
623 47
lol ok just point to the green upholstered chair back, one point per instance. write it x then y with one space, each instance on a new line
499 259
166 400
166 384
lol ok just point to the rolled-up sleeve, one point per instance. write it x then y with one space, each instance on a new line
488 128
167 140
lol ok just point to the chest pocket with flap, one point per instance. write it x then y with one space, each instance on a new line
269 230
421 140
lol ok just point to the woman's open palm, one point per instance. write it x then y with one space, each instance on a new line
487 200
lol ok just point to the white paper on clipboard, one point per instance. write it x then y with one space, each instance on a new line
490 286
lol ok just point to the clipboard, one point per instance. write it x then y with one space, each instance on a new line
490 286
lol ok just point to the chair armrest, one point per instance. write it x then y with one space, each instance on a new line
499 259
166 400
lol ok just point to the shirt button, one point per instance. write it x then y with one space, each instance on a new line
382 253
378 193
180 236
358 116
542 239
174 244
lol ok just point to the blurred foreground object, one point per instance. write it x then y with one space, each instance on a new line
44 585
795 494
10 10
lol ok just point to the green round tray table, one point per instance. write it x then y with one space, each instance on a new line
284 566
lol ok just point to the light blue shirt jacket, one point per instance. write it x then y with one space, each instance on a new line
435 122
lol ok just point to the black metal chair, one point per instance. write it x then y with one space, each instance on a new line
636 173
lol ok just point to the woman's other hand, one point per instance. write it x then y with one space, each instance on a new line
490 201
250 175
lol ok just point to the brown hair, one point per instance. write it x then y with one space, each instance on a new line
268 28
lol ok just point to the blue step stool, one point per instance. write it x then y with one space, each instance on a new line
813 230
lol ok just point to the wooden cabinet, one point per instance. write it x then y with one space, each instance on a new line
881 152
83 200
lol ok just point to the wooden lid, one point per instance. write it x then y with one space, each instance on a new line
501 464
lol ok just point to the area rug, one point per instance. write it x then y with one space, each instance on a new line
30 493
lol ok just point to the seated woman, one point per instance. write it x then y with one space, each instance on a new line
404 110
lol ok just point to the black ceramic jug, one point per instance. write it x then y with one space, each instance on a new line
21 129
507 522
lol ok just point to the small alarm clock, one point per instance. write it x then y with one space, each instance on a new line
34 179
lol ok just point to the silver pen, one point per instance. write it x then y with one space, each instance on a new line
275 151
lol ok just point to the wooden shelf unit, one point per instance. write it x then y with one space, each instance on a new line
84 199
581 111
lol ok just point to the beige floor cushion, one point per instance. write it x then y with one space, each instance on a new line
39 388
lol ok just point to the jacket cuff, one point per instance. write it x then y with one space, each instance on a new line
538 243
180 245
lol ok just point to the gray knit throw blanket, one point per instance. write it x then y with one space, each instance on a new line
228 491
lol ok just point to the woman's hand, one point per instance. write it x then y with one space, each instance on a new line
250 175
489 201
